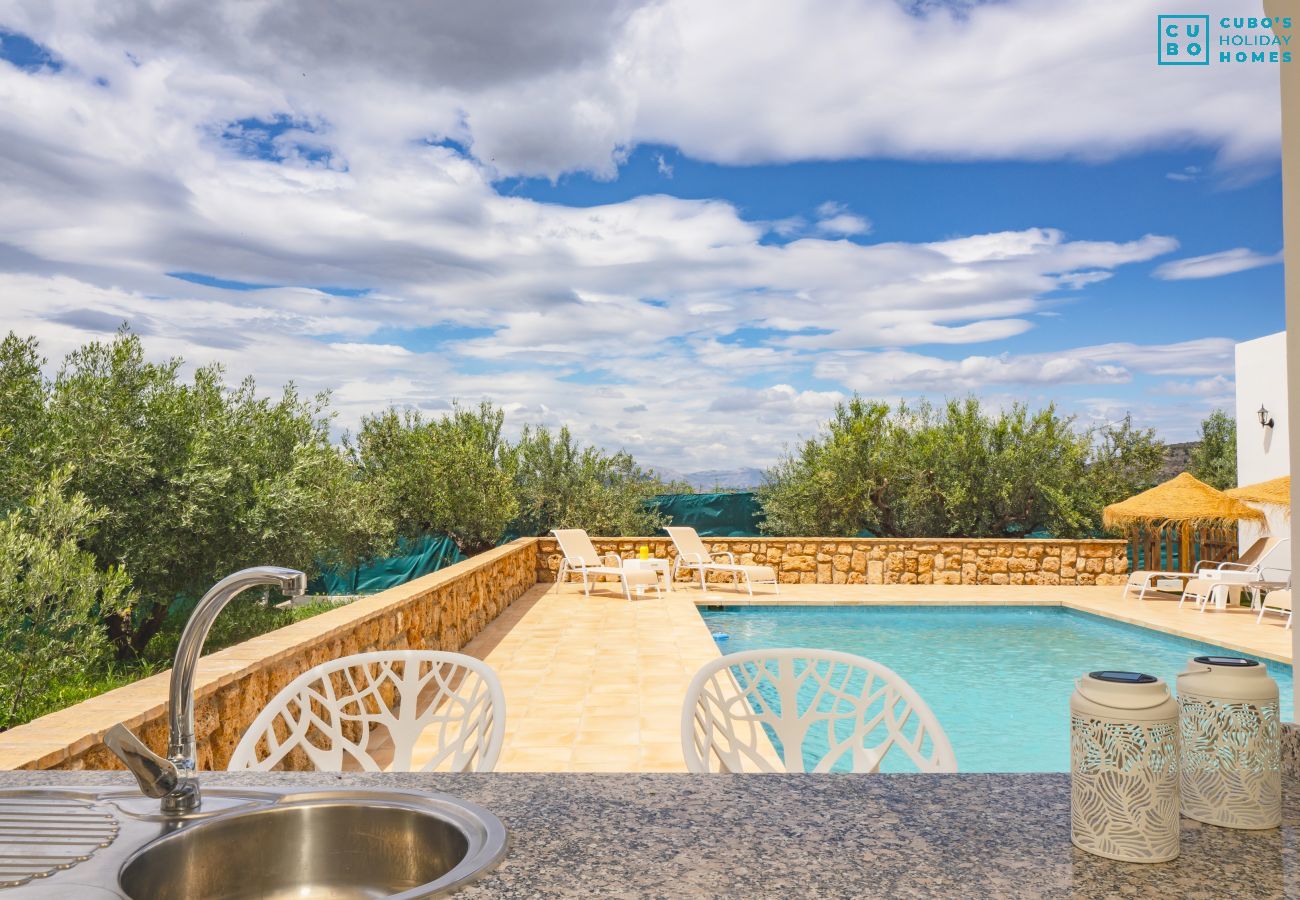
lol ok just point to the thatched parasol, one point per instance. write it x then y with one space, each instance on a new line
1183 501
1277 492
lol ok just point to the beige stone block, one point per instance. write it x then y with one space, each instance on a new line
1051 564
799 564
875 571
998 578
994 565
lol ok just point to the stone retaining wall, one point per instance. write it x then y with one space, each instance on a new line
894 560
442 611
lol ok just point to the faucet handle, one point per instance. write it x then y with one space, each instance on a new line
156 776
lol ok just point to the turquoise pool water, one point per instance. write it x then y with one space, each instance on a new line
999 679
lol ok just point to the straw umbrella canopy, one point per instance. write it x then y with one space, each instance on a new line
1276 492
1183 501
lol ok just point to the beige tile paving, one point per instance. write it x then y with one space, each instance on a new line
596 683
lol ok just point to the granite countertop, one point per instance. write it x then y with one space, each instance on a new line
663 836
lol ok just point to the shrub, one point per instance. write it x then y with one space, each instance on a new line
561 484
955 470
1214 458
52 596
453 475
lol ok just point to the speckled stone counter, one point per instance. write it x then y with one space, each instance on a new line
663 836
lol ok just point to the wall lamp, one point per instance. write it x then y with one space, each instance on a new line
1264 418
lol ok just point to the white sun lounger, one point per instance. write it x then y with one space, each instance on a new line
692 554
581 558
1247 564
1278 600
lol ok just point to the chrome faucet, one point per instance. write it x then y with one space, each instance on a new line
175 779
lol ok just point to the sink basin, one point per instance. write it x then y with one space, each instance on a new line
336 844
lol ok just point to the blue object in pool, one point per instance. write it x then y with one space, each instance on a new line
998 678
721 636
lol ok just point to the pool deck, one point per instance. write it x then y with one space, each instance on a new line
595 684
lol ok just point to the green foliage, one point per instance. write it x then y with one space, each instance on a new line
1214 458
23 422
955 470
453 475
195 479
838 484
52 594
561 484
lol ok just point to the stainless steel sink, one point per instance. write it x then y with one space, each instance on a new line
278 844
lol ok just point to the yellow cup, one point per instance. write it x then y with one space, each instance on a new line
644 552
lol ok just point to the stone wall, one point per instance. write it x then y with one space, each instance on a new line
894 560
442 611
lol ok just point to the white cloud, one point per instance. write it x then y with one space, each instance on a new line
835 219
545 89
888 371
1212 265
661 324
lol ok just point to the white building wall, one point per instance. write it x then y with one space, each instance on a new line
1262 453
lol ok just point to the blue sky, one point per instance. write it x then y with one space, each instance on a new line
671 229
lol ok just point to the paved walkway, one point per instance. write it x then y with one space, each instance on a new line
595 684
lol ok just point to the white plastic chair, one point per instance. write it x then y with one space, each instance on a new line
856 708
371 710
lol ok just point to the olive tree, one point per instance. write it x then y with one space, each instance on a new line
1214 458
23 421
955 470
452 475
197 479
561 484
52 596
838 483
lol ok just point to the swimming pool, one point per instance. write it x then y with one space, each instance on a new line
998 678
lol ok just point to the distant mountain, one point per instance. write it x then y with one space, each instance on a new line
725 479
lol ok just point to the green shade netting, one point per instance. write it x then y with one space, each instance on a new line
712 515
415 557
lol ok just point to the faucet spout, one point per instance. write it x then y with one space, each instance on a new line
175 780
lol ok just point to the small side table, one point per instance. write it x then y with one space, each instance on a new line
655 564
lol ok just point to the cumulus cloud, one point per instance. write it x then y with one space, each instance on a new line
1212 265
246 142
547 88
893 370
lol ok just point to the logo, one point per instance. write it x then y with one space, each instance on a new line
1184 41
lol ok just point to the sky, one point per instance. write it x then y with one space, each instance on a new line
683 229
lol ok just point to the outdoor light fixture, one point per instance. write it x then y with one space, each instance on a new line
1264 418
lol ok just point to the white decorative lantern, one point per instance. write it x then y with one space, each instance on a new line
1231 750
1124 767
